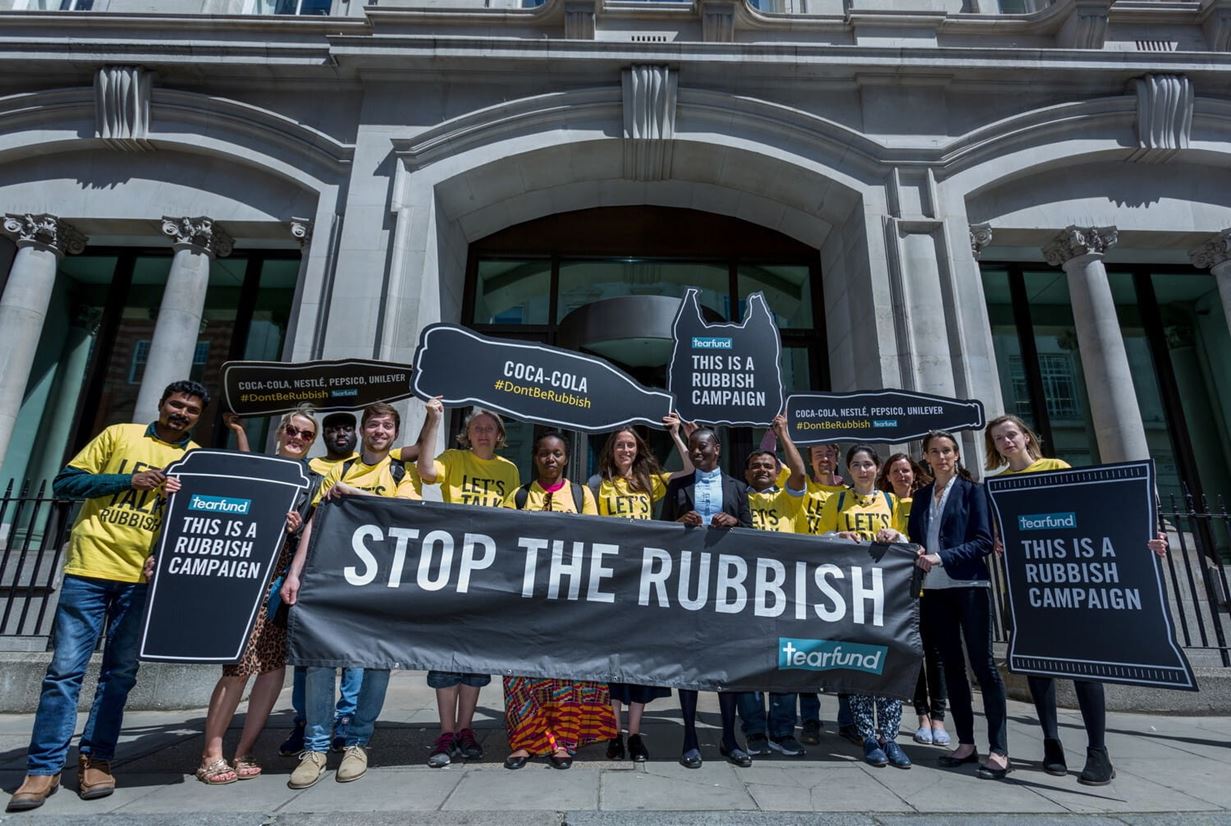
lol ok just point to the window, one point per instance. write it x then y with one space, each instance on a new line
297 7
56 5
141 354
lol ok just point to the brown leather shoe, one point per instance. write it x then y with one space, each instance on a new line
94 778
34 790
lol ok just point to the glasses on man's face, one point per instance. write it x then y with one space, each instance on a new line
291 430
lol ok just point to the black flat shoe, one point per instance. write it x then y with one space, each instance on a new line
615 748
1053 758
691 759
1098 770
948 761
515 763
736 756
986 772
561 762
636 749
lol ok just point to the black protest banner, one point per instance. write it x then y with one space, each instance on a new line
265 388
531 382
726 373
392 583
877 416
221 535
1086 593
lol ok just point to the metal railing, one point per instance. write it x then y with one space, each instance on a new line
33 528
1195 575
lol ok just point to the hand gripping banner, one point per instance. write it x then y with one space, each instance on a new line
1087 595
421 585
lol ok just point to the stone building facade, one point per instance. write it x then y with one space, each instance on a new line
1022 202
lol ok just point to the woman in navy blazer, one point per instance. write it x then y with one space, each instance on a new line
950 519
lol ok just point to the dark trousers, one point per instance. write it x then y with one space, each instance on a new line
1090 699
931 694
688 708
946 617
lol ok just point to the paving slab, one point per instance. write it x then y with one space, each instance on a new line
958 790
1204 780
391 790
187 794
671 787
536 787
66 803
837 789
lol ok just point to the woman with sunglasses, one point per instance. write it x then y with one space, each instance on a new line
265 652
546 716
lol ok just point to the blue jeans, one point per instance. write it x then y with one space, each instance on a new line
810 709
84 605
780 720
319 705
348 693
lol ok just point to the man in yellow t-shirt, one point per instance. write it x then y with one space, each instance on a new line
372 473
340 440
773 508
121 475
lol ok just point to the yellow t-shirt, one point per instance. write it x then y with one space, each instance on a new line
809 520
561 500
321 466
1038 466
615 499
377 479
862 515
776 509
465 479
905 504
114 534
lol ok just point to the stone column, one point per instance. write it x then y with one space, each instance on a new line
1109 379
196 242
42 240
1215 255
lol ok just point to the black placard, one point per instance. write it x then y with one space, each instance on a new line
726 374
221 535
884 416
531 382
264 388
1087 595
398 584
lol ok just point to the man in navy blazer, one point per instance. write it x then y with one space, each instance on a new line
708 497
680 501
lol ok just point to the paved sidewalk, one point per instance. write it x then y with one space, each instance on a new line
1165 765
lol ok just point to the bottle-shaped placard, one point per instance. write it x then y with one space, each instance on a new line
532 382
884 416
726 373
222 533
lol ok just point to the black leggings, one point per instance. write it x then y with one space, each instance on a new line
947 615
930 691
688 705
1090 699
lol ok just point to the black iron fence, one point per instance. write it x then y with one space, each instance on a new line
34 528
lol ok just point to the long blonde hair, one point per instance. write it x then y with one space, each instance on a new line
993 459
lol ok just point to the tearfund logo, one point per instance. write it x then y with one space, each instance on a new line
829 655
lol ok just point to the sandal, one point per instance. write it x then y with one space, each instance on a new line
246 767
216 773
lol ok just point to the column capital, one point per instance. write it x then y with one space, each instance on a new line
200 234
301 230
1216 250
980 237
44 231
1073 242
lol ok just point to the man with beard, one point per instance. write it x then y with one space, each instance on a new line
121 475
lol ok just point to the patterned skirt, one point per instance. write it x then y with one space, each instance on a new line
266 649
543 715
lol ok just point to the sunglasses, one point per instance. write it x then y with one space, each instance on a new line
291 430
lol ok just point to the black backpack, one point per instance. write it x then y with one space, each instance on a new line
396 469
523 495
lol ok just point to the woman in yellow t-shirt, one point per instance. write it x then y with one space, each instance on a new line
473 475
864 514
544 715
628 483
1009 441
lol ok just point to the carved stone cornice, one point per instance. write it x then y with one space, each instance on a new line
980 237
301 230
1215 251
1074 241
44 232
649 121
717 21
122 107
579 19
200 234
1164 116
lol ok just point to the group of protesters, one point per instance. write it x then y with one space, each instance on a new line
853 496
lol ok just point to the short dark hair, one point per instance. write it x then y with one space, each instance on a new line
868 449
754 454
552 434
382 409
186 387
700 431
339 418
